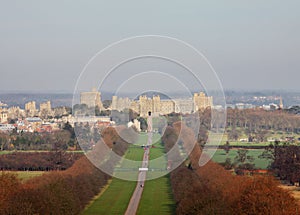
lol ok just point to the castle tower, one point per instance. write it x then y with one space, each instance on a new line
30 108
91 99
156 104
145 105
114 103
201 101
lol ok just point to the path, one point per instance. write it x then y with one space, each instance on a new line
137 194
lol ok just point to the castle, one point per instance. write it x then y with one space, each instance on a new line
157 106
91 99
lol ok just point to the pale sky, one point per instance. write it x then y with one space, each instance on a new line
44 45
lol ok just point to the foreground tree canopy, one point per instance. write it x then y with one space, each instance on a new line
213 190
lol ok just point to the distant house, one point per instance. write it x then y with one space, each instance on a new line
45 128
7 127
33 120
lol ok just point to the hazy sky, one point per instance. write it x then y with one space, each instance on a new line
44 45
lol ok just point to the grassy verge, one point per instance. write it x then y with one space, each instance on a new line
114 200
25 175
116 197
5 152
157 195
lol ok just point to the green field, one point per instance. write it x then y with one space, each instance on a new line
114 200
5 152
157 195
220 156
25 175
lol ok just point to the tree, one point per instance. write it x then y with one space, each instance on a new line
144 124
228 164
269 153
234 134
227 147
261 135
11 121
10 186
106 103
264 196
202 136
4 141
243 161
287 162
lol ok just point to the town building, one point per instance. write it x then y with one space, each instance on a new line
3 115
136 124
15 112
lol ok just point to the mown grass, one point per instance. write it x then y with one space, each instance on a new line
116 197
157 195
25 175
260 163
114 200
5 152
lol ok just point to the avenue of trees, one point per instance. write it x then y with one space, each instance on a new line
38 161
257 124
210 189
59 192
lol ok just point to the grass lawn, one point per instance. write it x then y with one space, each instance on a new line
25 175
116 197
114 200
157 195
220 156
5 152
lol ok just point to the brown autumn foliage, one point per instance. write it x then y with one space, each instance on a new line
286 162
255 119
9 187
38 161
262 195
58 192
212 190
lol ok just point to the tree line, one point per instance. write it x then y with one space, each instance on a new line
37 141
59 192
210 189
38 161
285 161
257 124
